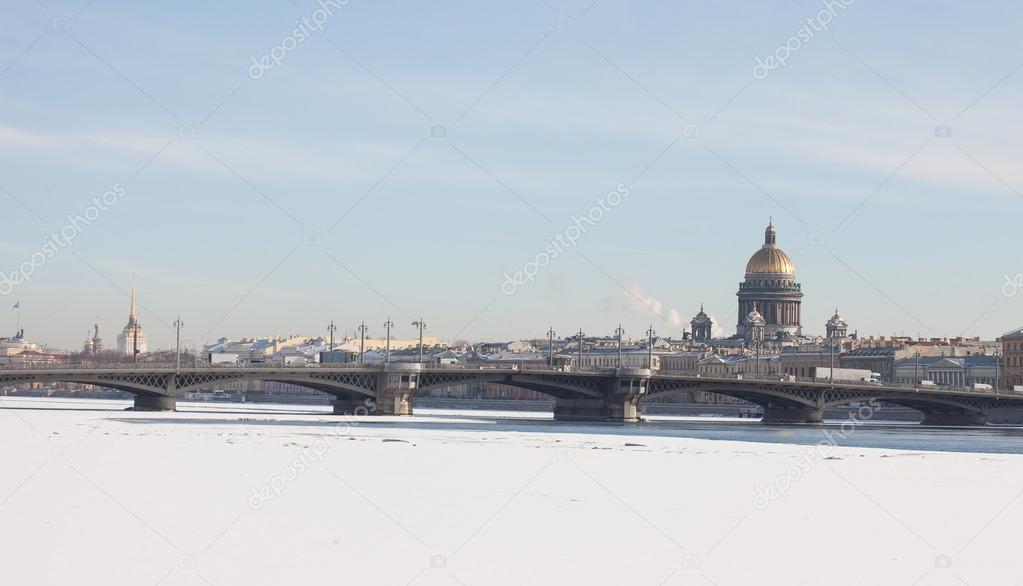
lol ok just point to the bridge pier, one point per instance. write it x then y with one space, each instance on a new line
595 410
154 403
954 419
394 387
394 402
620 402
792 415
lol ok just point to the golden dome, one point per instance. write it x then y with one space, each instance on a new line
770 258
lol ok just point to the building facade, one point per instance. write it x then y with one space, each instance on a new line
879 360
771 289
702 326
961 371
132 339
803 363
836 327
1012 359
631 358
93 343
680 362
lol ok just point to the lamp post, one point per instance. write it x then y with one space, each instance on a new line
650 333
331 329
387 349
998 362
362 342
550 346
757 371
420 324
831 373
135 344
581 334
178 324
619 332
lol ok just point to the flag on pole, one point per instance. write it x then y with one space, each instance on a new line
16 306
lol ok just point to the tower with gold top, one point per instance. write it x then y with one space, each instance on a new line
771 289
132 337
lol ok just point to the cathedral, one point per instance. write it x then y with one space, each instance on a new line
770 293
93 343
132 338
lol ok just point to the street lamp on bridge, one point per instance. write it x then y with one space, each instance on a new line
178 324
331 329
650 333
831 373
550 346
581 334
135 345
420 324
362 341
619 332
387 348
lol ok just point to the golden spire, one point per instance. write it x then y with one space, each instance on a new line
131 314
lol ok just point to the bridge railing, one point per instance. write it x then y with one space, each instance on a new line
522 366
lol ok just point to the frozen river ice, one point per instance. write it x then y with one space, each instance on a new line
240 495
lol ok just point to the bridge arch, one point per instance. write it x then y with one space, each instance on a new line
557 387
765 396
936 409
340 385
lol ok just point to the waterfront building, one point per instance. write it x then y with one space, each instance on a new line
802 362
681 362
13 348
771 288
717 366
132 337
1012 359
961 371
879 360
608 358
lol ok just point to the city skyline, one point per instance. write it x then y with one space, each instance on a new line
769 261
369 175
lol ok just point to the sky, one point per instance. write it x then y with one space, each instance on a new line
263 168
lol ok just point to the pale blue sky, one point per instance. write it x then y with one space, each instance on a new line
540 120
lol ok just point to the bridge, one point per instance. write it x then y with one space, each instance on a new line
602 395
